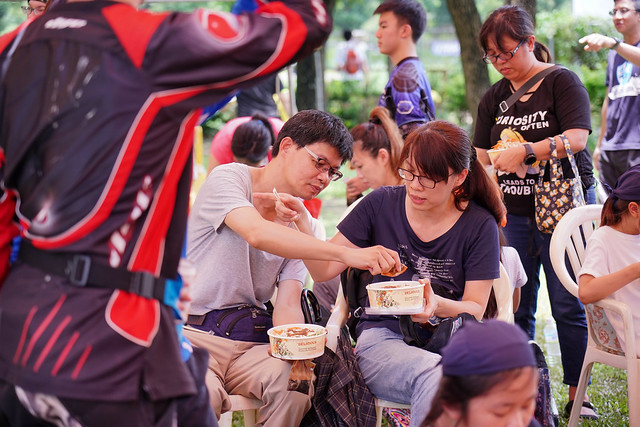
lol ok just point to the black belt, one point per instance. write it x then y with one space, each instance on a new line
82 271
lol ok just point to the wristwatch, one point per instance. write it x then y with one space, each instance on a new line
616 44
530 157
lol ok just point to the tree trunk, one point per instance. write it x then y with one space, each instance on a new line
528 5
306 86
310 91
466 20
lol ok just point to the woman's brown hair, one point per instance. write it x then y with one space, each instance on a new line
438 146
380 132
515 23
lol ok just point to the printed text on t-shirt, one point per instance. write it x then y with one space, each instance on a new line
528 121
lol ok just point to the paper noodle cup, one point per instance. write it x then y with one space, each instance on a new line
297 341
396 295
494 153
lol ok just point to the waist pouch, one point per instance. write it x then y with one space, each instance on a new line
243 323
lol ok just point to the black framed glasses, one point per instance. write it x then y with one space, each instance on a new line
29 10
504 56
622 11
425 181
323 166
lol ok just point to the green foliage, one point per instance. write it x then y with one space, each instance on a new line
437 13
214 124
352 101
352 14
487 6
11 15
448 91
560 32
593 79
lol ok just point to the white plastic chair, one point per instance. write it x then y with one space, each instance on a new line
570 237
504 298
249 408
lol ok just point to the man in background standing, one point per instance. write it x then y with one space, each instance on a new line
407 94
619 141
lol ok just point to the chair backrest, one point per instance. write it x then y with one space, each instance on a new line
503 291
569 240
337 320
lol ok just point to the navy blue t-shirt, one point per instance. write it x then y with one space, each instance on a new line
470 250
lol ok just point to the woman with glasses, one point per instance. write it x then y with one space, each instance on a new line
557 104
34 8
443 224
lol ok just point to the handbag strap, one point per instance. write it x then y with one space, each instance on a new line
555 161
505 105
570 156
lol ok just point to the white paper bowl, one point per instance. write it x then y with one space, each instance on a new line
401 295
285 345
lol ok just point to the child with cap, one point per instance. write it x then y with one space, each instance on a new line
489 378
612 260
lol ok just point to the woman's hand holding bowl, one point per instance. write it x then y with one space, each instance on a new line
431 303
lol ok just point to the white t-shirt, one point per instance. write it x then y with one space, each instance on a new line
229 271
515 270
608 251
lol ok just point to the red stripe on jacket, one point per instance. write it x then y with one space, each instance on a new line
147 254
295 34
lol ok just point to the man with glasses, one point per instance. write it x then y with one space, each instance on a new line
619 141
246 244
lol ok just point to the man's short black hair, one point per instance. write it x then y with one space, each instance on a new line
311 126
408 12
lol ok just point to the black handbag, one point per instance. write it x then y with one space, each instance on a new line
432 337
429 337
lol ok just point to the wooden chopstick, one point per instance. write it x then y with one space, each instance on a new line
275 193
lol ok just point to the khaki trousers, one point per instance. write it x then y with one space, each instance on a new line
246 369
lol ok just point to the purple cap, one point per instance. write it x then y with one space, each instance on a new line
628 185
486 348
